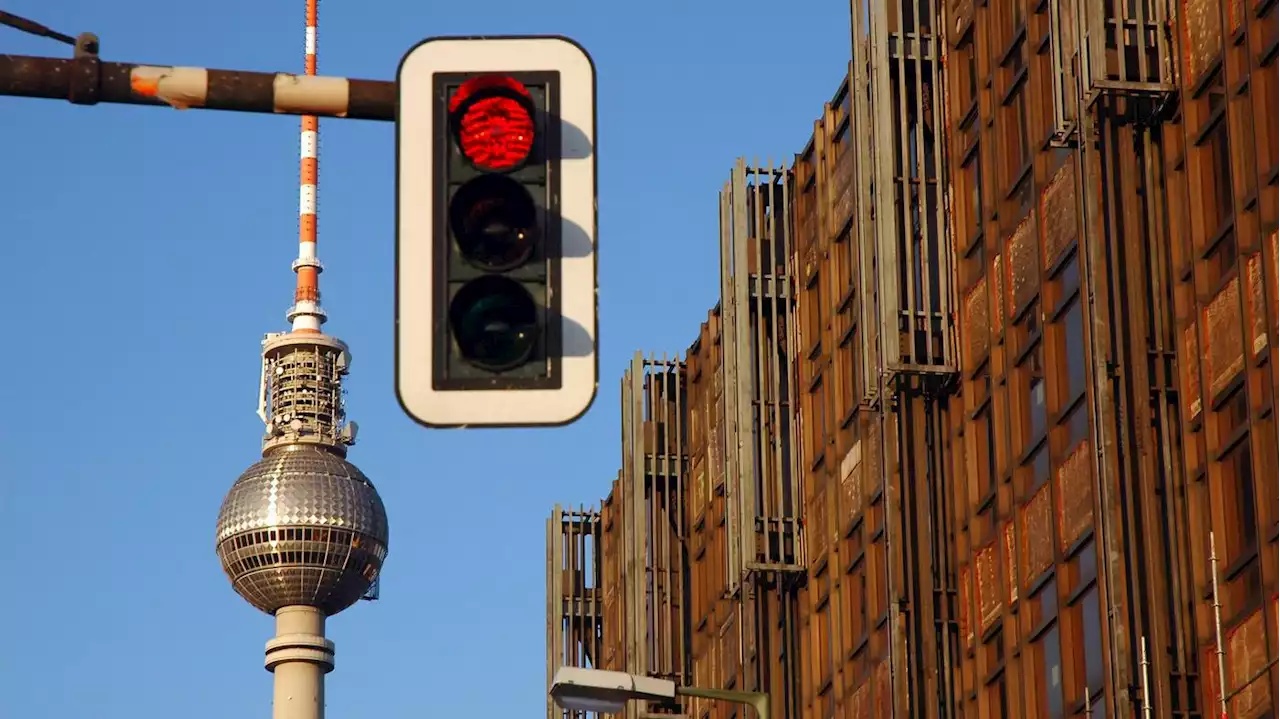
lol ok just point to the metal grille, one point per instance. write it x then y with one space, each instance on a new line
1121 47
899 116
655 466
575 610
758 340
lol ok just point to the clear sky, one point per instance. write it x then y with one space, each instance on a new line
144 252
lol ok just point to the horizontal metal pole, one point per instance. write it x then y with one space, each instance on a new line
88 81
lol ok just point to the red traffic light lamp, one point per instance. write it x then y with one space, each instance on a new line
491 118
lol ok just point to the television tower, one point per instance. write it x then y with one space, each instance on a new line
303 533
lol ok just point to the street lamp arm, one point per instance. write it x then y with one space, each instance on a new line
756 700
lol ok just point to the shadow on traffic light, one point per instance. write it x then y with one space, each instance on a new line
574 144
574 241
576 340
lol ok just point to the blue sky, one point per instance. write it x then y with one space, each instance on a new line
144 251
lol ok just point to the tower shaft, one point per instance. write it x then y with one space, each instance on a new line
305 315
299 656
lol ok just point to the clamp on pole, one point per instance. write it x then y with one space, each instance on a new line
86 71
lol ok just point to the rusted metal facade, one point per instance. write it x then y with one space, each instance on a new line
1020 393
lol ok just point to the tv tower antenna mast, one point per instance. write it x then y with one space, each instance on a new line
303 533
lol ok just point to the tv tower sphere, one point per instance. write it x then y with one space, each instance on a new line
302 527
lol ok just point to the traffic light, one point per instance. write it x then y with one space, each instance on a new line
496 225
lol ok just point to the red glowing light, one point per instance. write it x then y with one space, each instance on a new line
493 119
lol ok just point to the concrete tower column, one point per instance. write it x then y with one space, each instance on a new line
299 656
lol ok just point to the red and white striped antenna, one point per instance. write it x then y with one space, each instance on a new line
306 314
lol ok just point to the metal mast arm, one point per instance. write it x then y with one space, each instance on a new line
756 700
86 80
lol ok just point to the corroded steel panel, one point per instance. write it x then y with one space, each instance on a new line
1075 495
1235 15
987 568
1191 370
997 292
966 605
1212 679
977 317
1274 242
851 483
1246 657
1058 224
1224 337
816 525
871 469
883 684
1037 535
1010 550
860 703
1202 25
1257 305
1024 271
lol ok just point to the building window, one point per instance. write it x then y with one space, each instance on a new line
815 324
1221 258
1239 505
855 603
1270 78
986 453
1215 186
1087 624
817 400
973 177
1048 658
971 74
1035 471
1046 650
1077 425
1032 370
1073 349
998 697
1091 634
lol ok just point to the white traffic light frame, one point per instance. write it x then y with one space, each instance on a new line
416 335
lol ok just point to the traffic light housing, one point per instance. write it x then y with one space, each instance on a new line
496 223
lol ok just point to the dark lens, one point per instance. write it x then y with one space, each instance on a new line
493 219
495 323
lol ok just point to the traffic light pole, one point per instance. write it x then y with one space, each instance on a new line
86 80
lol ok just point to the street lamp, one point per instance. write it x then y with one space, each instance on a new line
606 692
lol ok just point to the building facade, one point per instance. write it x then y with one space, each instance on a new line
984 423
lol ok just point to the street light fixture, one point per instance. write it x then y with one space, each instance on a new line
606 692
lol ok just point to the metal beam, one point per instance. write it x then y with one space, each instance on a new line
86 80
